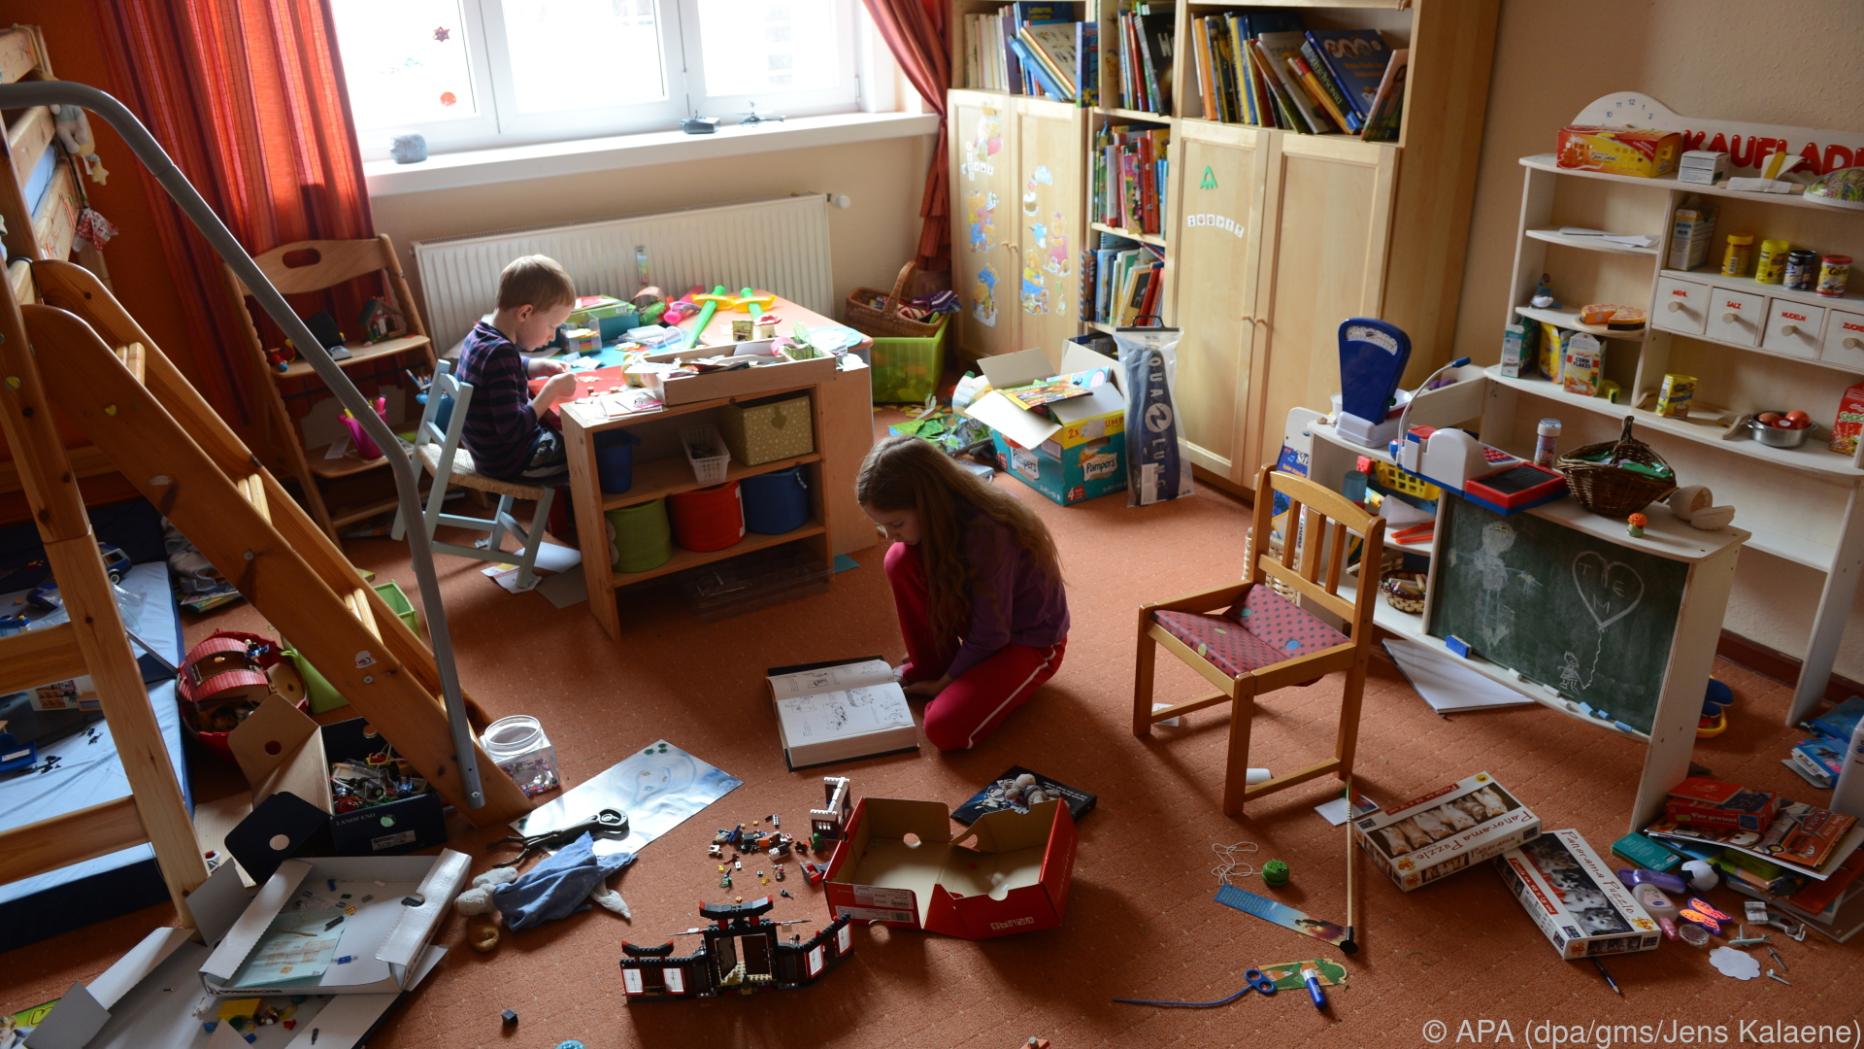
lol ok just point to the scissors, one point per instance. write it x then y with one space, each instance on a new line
1253 979
612 823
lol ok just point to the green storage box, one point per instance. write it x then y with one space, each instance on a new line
397 600
907 371
640 537
765 431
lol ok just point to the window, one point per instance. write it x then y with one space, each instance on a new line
473 74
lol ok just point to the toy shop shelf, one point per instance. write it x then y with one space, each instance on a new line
1545 162
1393 5
1133 114
1811 457
1130 234
1570 319
1811 362
1410 626
660 478
1853 301
751 543
360 355
1599 244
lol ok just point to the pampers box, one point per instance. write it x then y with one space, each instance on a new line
1070 450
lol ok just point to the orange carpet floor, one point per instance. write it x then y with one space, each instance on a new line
1140 918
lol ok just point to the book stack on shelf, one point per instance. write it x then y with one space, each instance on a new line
1130 169
1032 49
1145 57
1267 69
1127 279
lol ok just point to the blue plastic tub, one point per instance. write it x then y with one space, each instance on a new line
776 503
614 461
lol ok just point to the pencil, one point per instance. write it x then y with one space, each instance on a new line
1609 982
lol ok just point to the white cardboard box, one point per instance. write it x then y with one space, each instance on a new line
399 901
143 1000
1575 898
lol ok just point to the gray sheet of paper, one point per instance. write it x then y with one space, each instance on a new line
658 791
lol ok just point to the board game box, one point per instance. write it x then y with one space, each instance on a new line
1571 893
1445 831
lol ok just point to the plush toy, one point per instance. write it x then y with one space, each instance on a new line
74 132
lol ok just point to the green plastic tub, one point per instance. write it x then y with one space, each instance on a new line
906 371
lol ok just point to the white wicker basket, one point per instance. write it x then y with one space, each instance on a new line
706 451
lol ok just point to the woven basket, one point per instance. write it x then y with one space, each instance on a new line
886 320
1613 491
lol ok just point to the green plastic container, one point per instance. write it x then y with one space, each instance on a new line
317 688
906 371
640 537
397 600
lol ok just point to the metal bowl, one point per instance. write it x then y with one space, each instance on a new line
1777 437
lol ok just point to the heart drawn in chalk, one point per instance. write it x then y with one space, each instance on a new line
1603 584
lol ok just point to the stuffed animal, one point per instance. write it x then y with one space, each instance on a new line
74 132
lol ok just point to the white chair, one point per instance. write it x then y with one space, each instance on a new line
437 447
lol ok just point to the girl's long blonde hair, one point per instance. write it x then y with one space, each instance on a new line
906 473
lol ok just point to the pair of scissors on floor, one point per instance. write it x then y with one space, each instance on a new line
611 823
1253 979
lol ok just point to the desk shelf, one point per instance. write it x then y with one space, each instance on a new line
663 477
684 559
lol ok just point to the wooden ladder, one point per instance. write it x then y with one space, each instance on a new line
156 429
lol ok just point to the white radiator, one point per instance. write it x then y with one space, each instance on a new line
779 246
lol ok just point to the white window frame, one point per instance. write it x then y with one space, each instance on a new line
862 86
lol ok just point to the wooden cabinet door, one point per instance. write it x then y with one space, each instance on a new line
1047 206
984 220
1328 220
1215 248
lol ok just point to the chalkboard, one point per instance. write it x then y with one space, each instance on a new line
1579 614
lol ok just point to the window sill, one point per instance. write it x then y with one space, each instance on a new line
482 167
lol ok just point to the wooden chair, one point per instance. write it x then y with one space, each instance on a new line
337 492
437 448
1249 640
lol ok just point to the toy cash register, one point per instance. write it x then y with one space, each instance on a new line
1481 473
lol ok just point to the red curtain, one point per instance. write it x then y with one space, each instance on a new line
915 31
248 98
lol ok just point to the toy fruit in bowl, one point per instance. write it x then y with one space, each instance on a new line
1777 429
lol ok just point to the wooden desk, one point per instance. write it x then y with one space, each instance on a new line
842 402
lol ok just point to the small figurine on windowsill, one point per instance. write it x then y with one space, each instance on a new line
1543 295
1635 525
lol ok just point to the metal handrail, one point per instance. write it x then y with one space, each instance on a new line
25 94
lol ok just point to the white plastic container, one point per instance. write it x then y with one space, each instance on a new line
518 746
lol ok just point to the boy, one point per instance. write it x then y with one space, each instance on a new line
502 431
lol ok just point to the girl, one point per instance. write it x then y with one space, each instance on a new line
977 585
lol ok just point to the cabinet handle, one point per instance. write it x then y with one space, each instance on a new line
1853 344
1729 318
1674 306
1789 329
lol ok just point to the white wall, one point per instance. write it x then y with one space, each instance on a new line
1793 63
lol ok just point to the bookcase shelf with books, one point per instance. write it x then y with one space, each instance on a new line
1040 50
1265 237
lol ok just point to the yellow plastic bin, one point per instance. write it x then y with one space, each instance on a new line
907 371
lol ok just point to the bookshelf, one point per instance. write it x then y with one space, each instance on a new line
1270 237
1800 504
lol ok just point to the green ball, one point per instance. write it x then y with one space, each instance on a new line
1275 872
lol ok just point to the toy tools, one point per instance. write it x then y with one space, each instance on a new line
708 307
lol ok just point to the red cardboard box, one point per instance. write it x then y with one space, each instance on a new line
1850 421
1007 874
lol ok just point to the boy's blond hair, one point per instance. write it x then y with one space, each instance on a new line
537 281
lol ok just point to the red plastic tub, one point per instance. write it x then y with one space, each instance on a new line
709 518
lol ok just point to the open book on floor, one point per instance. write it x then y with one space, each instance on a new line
830 712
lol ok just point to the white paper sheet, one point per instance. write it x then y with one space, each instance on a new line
1447 685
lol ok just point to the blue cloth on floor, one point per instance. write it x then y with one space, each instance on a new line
558 887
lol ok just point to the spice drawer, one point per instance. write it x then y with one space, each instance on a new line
1844 339
1736 317
1681 305
1793 328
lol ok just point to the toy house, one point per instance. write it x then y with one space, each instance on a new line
830 822
742 951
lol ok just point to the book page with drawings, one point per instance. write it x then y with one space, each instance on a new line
843 714
831 679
